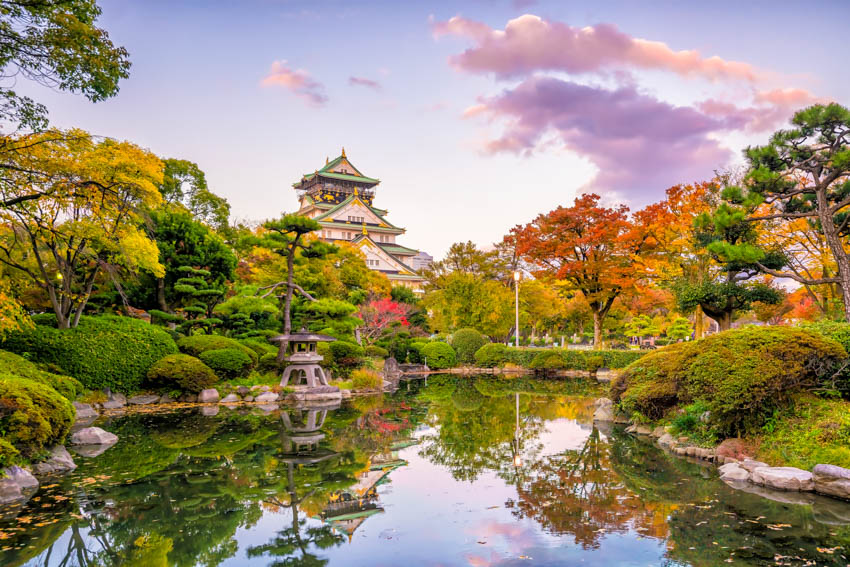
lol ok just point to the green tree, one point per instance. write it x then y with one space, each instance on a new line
642 326
183 182
679 329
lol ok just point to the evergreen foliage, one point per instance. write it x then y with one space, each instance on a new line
19 366
491 355
227 362
195 345
438 355
33 416
181 372
466 343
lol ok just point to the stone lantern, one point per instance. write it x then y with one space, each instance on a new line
303 359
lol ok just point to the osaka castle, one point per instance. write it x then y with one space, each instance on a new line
341 199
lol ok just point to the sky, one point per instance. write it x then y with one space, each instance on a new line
476 116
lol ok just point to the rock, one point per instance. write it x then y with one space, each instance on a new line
93 436
666 440
752 465
209 411
91 451
268 408
658 432
267 397
84 411
643 430
208 396
257 387
166 399
248 398
17 484
631 428
705 416
116 400
733 472
346 394
621 418
832 480
735 448
188 398
229 399
783 478
22 477
143 400
602 414
830 511
243 390
683 439
59 461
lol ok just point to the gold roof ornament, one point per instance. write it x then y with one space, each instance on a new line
364 229
327 160
343 151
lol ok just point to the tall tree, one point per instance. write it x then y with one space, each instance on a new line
587 246
804 173
183 182
87 222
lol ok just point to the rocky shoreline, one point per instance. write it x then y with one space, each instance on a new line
738 469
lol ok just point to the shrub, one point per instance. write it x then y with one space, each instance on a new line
466 343
374 351
33 416
104 351
438 355
342 357
8 454
594 362
259 346
840 332
742 375
182 372
227 362
196 344
19 366
548 361
268 362
414 352
363 379
491 355
576 359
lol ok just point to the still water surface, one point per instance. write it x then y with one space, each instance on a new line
461 471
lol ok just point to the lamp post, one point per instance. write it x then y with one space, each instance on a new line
517 455
516 304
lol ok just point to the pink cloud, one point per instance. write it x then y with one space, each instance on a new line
296 81
770 109
639 144
530 43
363 82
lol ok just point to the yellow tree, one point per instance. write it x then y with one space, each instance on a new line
85 221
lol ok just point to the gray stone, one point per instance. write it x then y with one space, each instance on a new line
643 430
783 496
620 417
166 399
209 411
22 477
116 400
666 440
93 436
243 390
658 431
752 465
261 388
229 399
783 478
267 397
91 451
208 396
16 485
188 398
603 414
346 394
830 511
143 400
84 411
59 461
631 428
268 408
832 480
733 472
248 398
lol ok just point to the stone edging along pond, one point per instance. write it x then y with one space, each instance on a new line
738 470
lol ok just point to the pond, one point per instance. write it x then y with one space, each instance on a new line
459 471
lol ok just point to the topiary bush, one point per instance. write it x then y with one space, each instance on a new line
259 346
491 355
268 362
414 352
439 355
343 357
742 375
594 362
104 351
194 345
181 372
33 416
19 366
466 343
374 351
548 361
364 379
227 362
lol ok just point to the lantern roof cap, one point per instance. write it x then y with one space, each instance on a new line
302 336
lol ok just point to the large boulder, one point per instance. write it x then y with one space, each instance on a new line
733 472
93 436
230 399
16 484
84 411
752 465
266 397
604 410
666 440
59 461
832 480
783 478
116 400
208 396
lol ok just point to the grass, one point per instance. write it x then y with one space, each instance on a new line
256 379
811 431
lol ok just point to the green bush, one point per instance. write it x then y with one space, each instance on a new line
547 361
364 379
33 416
341 357
104 351
439 355
268 362
8 454
19 366
575 359
259 346
742 375
594 362
840 332
181 372
466 343
414 352
491 355
194 345
374 351
227 362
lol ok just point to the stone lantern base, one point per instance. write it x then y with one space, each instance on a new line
305 393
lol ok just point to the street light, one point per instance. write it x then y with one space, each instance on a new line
516 303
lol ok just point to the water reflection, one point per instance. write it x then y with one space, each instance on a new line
483 471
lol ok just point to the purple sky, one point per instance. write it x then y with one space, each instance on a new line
475 115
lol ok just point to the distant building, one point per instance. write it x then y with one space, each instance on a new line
421 261
341 199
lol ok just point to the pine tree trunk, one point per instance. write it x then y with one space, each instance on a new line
597 329
699 323
837 248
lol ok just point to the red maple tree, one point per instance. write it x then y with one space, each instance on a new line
378 315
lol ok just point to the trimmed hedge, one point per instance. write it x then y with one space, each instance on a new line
491 355
259 346
576 359
840 332
20 366
341 357
194 345
227 362
104 351
374 351
466 343
181 372
33 416
438 355
742 375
